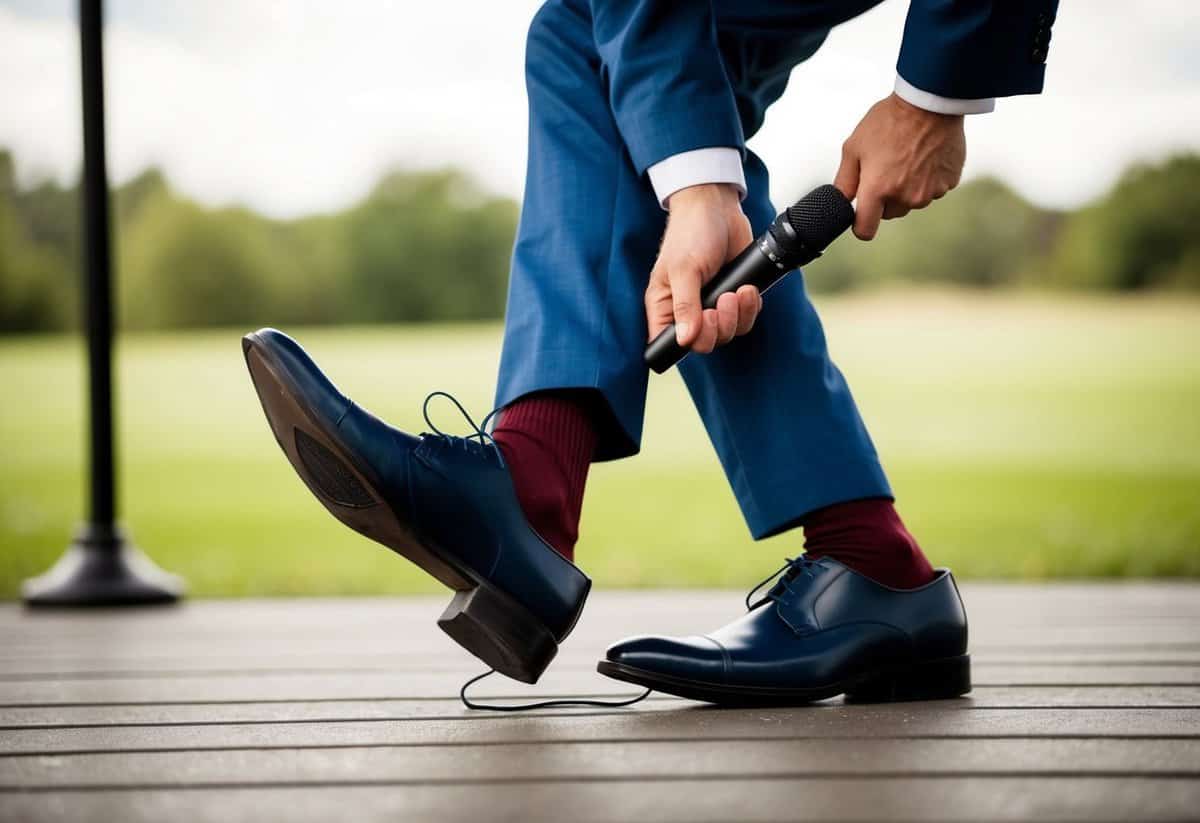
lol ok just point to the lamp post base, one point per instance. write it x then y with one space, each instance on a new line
101 568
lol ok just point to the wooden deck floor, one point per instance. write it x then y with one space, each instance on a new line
1086 707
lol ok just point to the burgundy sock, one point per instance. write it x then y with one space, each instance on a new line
869 537
548 440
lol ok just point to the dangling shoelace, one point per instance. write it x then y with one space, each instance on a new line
545 704
801 565
483 438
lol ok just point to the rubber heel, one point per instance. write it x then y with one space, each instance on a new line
500 632
929 680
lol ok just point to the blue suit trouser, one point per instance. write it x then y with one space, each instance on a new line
778 411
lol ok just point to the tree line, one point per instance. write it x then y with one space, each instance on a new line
432 246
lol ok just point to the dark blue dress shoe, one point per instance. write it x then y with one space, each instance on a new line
446 503
822 630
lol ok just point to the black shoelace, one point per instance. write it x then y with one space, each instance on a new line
545 704
482 440
794 568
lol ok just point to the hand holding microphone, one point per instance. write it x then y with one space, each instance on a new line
797 236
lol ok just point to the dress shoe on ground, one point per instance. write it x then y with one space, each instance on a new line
822 630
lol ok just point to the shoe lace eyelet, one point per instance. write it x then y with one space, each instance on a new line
480 442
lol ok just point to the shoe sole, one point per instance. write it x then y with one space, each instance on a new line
939 679
481 618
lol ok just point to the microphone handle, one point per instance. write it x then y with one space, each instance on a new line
751 267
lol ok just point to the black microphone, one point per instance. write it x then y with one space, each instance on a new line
797 236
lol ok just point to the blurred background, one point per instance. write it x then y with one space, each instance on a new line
1026 352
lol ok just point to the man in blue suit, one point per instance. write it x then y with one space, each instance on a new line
639 187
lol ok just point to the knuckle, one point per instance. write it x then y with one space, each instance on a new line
697 265
685 274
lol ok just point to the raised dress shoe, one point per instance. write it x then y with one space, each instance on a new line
444 502
820 631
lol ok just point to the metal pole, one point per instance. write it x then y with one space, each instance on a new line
100 568
97 262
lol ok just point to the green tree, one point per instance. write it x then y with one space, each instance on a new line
429 247
35 288
982 235
1143 234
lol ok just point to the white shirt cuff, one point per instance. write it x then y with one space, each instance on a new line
693 168
942 105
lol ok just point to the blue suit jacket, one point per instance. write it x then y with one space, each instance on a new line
668 62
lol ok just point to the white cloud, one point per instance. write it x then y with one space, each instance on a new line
293 107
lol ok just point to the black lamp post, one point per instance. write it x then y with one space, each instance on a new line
100 568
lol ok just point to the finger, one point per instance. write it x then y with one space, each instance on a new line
706 340
892 210
867 213
846 180
727 317
685 302
748 306
659 312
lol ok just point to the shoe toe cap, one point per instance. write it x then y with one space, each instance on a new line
694 657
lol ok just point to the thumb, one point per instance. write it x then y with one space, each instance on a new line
685 280
846 180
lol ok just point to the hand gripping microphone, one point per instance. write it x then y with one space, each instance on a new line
798 236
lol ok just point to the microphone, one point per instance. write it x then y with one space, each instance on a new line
798 236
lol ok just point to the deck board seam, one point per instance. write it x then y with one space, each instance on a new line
20 753
442 718
454 782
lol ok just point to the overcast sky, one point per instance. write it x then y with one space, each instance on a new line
293 107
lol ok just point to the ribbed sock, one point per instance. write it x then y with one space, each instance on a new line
869 537
548 440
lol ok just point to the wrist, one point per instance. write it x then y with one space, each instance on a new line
725 195
906 106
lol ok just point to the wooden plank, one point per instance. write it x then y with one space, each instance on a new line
933 798
601 616
608 612
335 710
131 664
1015 602
143 700
1176 634
416 683
423 640
910 720
663 760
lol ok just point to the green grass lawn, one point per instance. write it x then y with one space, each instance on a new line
1025 436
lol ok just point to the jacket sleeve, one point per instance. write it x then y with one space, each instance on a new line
667 85
976 48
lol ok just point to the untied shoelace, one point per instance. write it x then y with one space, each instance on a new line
482 440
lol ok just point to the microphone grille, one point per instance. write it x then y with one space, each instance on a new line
820 216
